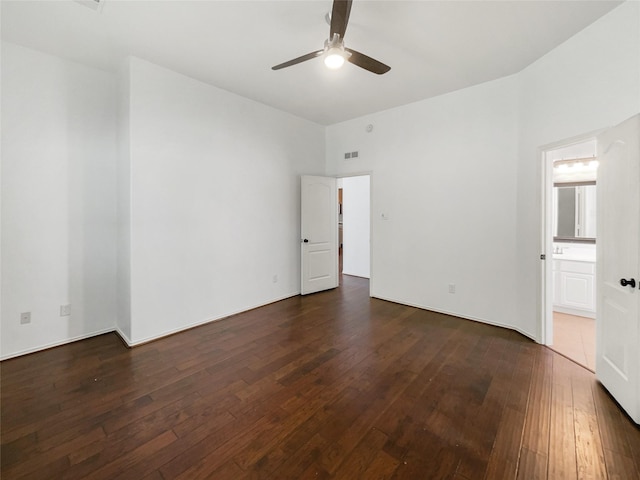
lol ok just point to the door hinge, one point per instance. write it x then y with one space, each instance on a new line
543 256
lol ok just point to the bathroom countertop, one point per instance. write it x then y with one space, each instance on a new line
575 257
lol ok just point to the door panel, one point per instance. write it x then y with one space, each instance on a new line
613 345
319 227
618 242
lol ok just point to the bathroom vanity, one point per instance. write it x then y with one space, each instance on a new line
574 277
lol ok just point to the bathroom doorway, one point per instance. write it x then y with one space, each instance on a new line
570 234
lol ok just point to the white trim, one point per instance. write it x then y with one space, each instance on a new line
545 324
545 271
123 337
56 344
131 343
463 317
369 174
204 322
354 275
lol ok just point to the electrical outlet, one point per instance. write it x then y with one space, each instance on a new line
452 288
25 318
275 279
65 310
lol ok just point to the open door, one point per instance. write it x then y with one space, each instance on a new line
618 267
319 234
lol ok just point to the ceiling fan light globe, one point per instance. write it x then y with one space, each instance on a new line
334 58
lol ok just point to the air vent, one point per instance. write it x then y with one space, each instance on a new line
349 155
92 4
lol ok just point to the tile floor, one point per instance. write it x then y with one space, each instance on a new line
575 338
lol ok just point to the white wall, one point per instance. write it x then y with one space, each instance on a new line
356 225
589 83
123 264
457 179
147 200
214 200
58 200
443 177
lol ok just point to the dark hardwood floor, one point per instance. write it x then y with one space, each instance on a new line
333 385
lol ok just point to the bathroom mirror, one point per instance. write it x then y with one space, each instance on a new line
574 212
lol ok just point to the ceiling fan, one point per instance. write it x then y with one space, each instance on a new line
334 50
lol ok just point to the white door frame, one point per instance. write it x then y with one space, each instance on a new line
371 242
545 323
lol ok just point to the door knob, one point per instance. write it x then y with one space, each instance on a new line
631 282
306 240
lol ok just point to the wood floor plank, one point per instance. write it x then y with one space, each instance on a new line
301 462
325 386
483 420
209 445
359 459
535 439
123 464
179 455
589 449
381 467
505 455
562 450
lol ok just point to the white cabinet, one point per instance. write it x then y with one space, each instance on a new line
574 287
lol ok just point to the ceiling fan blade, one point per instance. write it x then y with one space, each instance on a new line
301 59
340 17
368 63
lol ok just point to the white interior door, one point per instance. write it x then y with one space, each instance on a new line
319 234
618 267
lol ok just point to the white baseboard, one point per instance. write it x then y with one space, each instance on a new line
354 274
56 344
203 322
131 343
123 337
464 317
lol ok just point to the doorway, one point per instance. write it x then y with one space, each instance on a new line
354 225
335 219
570 190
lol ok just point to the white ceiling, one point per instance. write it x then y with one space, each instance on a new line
433 47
